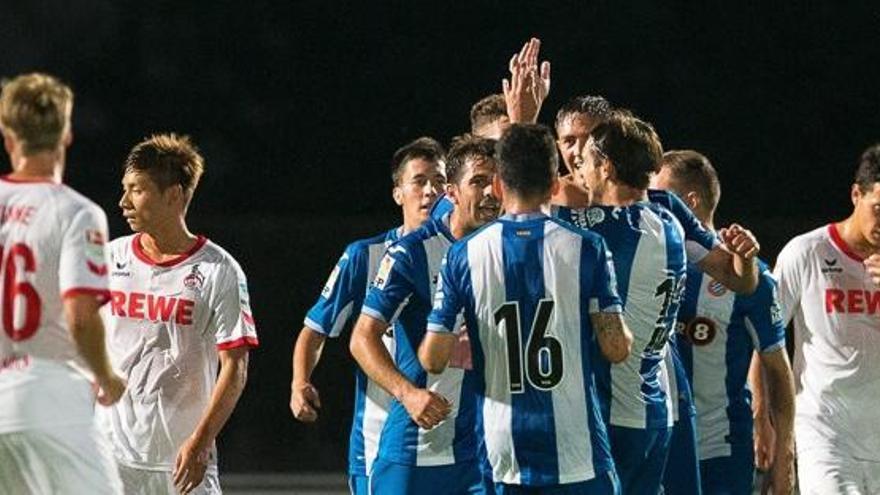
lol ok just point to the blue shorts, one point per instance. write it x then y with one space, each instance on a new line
388 478
731 475
640 457
359 484
683 467
603 484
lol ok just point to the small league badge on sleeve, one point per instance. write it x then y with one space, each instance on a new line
94 251
384 272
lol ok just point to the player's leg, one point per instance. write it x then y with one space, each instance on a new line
640 457
729 475
682 476
827 472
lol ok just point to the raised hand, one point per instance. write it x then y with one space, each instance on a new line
528 86
740 241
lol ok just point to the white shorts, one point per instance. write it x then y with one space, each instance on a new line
145 482
823 471
63 460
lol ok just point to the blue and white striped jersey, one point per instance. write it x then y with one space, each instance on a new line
650 262
526 286
718 332
401 295
342 297
442 207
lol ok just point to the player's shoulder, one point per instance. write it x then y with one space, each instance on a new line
574 231
71 202
361 246
666 199
121 245
804 245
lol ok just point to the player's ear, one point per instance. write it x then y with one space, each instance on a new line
856 194
67 139
497 187
451 192
692 200
397 194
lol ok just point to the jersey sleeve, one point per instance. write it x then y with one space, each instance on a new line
442 207
232 320
788 275
342 294
392 287
603 297
764 315
446 314
698 239
83 263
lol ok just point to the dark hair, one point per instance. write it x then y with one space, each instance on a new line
595 107
631 145
169 160
868 172
527 160
692 170
425 148
487 110
463 148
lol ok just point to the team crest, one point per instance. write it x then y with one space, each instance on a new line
94 250
701 331
594 216
716 288
195 279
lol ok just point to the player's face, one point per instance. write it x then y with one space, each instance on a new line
494 129
475 203
420 184
587 169
572 136
143 204
867 213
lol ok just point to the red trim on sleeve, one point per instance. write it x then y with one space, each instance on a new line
28 180
103 295
143 256
838 241
242 342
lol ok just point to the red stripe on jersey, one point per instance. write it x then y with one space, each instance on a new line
242 342
143 256
32 180
103 295
248 319
838 241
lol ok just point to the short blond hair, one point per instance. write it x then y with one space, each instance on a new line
36 108
169 160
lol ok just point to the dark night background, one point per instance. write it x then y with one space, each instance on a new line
298 106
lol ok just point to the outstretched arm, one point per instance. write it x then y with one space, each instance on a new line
528 85
192 457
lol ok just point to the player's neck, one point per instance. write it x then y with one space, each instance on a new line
520 206
169 242
46 165
854 239
621 195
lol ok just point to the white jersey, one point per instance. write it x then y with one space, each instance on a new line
166 323
52 245
824 287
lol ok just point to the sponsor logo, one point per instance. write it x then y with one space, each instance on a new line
523 233
831 266
853 301
701 331
331 283
716 288
385 267
195 279
120 270
94 251
152 307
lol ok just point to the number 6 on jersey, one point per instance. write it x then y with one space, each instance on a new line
543 354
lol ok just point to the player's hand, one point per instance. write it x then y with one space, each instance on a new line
765 443
740 241
304 402
190 465
425 407
872 265
109 389
527 88
781 477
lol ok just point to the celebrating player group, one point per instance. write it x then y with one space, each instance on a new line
531 327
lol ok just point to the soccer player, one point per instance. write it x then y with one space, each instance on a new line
534 293
179 304
489 117
825 288
53 260
416 455
417 177
574 122
720 331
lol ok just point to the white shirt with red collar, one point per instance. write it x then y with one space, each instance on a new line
824 288
166 324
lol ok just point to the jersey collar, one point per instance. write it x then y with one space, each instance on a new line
838 242
138 250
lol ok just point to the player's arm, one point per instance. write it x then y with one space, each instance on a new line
443 323
435 351
764 433
304 398
781 391
734 264
193 455
614 337
528 86
872 265
87 331
425 407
